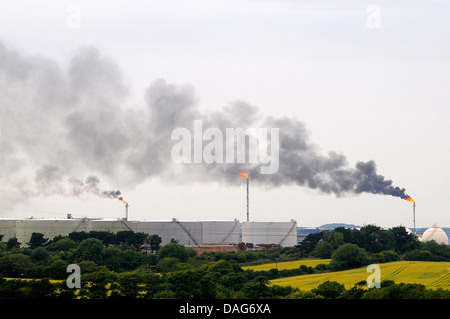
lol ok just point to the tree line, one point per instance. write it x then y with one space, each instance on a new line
371 244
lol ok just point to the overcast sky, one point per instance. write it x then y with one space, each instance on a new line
368 79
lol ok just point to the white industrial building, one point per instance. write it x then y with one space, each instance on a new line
23 228
277 233
221 232
188 233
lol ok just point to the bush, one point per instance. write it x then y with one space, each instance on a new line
321 267
329 289
420 255
323 250
173 250
64 244
441 250
167 264
14 265
348 256
385 257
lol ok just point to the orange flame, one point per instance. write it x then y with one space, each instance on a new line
245 175
409 199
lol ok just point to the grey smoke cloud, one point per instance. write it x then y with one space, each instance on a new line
63 126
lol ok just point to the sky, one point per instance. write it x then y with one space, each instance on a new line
367 80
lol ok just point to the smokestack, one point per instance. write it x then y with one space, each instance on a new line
414 217
245 175
126 212
247 201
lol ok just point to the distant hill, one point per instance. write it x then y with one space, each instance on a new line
334 225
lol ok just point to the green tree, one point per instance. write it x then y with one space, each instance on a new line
185 283
329 289
257 288
173 250
41 289
129 284
78 237
336 239
442 251
323 250
14 265
106 237
63 244
125 237
152 284
155 242
12 243
167 264
308 244
385 257
138 239
40 255
419 255
348 256
95 283
90 249
299 294
57 269
376 239
397 291
87 266
404 241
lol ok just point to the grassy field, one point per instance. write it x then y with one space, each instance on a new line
288 264
431 274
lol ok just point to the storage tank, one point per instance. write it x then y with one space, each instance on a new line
186 232
8 228
277 233
22 229
435 233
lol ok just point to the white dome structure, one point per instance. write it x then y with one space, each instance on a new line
409 231
435 233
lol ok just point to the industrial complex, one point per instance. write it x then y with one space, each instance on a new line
188 233
203 235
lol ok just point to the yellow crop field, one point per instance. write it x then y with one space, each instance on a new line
431 274
288 264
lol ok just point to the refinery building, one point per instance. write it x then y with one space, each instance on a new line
188 233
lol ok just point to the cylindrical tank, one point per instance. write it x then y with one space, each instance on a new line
276 233
185 232
221 232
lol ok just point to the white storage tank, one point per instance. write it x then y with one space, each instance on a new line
277 233
186 232
22 229
435 233
221 232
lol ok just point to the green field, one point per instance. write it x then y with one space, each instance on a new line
288 264
431 274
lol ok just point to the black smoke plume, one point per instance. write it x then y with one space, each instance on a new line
62 121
